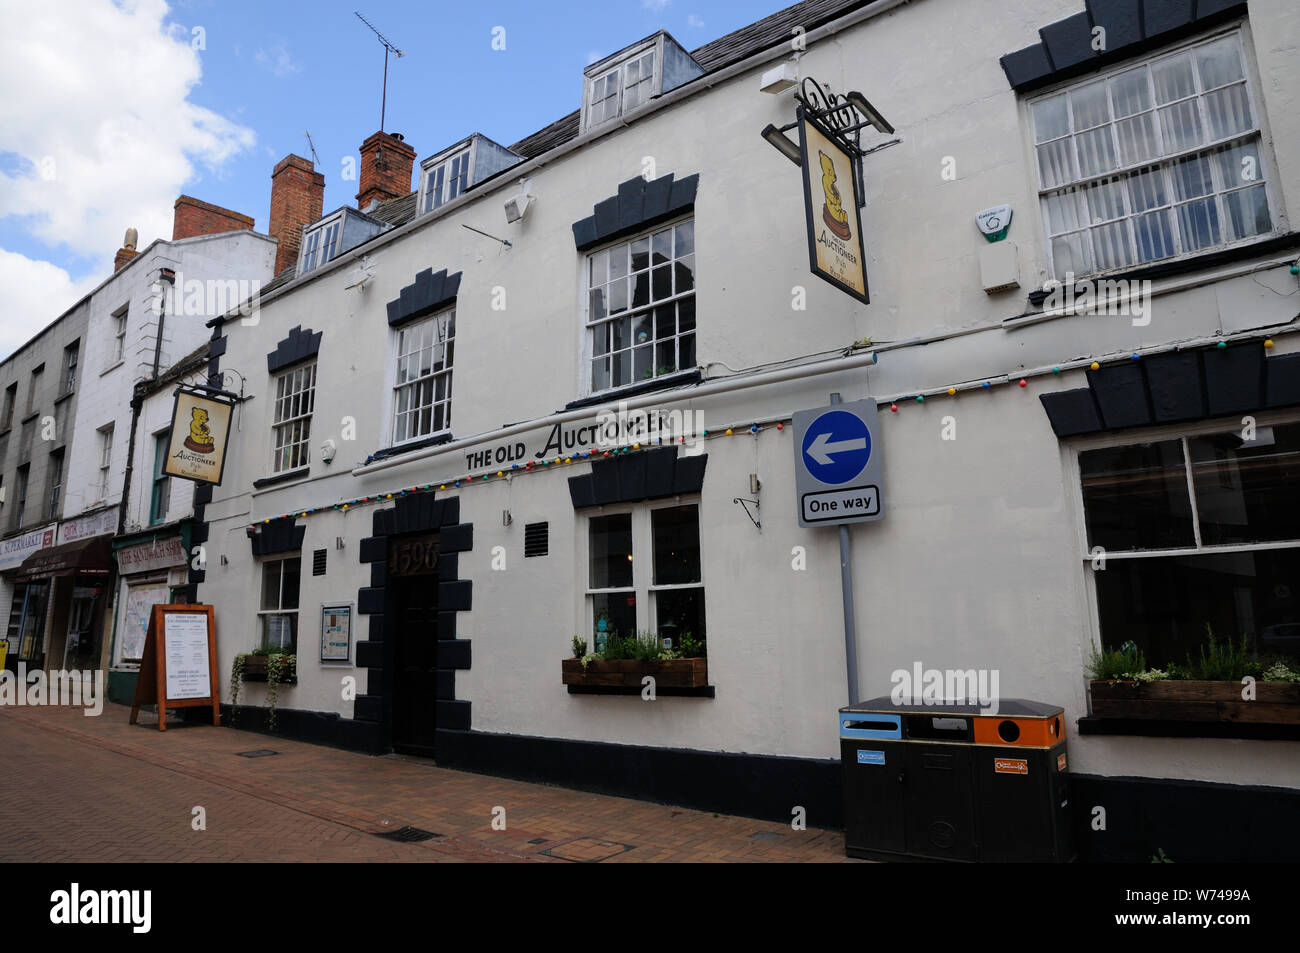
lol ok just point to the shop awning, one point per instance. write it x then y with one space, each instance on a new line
84 557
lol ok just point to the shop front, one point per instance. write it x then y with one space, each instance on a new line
25 605
72 579
151 571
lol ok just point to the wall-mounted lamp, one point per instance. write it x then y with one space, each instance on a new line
859 102
251 532
338 542
783 144
224 561
327 450
506 518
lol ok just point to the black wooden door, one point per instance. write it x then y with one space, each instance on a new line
415 643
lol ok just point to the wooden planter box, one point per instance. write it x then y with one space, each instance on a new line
627 673
255 671
1276 703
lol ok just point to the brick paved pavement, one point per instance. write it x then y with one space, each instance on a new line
96 789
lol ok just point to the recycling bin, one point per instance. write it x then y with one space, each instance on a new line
952 782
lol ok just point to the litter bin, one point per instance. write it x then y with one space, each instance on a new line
949 782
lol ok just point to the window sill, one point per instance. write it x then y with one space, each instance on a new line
62 397
396 451
686 677
667 382
1173 728
111 367
287 476
29 418
1192 708
704 691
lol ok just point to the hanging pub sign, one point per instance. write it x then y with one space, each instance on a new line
200 429
830 191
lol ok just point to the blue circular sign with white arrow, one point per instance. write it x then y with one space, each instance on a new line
836 447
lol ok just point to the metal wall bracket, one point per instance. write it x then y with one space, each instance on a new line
753 517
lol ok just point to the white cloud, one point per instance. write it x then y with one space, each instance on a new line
35 293
693 21
276 59
107 130
655 5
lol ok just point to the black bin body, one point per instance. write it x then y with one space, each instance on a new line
948 782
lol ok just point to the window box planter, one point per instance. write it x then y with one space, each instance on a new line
627 673
1276 703
255 671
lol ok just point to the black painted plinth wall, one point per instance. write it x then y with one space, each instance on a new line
414 513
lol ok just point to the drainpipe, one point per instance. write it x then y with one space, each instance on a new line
169 276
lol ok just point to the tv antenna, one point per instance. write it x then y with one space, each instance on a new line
388 48
312 146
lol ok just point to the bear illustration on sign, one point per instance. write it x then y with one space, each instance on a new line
200 438
833 211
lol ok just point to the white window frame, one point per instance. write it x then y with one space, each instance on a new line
285 444
392 415
57 466
586 386
117 353
320 243
71 362
1092 635
643 583
105 459
1259 133
465 153
262 614
607 67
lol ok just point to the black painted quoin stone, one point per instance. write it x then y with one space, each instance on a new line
415 513
632 478
1176 387
1066 47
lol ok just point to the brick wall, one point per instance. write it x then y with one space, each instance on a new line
386 163
297 193
193 217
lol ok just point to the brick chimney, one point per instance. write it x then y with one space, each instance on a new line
193 217
386 163
127 251
297 194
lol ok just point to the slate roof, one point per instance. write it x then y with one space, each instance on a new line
740 44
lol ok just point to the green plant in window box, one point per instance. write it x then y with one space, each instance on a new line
277 666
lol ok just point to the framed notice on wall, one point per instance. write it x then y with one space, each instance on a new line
836 251
178 667
196 449
336 633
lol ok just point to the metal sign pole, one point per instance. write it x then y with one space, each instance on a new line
846 588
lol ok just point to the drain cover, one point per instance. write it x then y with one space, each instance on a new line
766 835
538 840
587 850
259 753
408 835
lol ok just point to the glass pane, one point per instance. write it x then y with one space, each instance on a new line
676 533
621 332
1137 139
1219 63
1228 111
1192 178
1111 246
665 357
1136 497
279 632
1239 164
665 324
663 283
612 613
685 238
1062 210
641 254
618 262
1155 236
599 374
1198 224
1181 126
271 585
662 249
686 315
1089 105
1246 490
1129 93
611 551
643 327
620 369
599 268
1105 200
1051 121
641 290
1072 253
1146 190
686 352
1173 78
642 368
1247 212
600 339
618 296
1164 605
684 269
1054 166
679 612
289 591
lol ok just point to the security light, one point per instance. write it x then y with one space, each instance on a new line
860 103
517 206
782 144
780 78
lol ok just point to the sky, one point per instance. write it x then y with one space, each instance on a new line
110 110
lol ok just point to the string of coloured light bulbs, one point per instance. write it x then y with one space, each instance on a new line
754 428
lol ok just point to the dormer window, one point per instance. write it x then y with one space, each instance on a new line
321 243
620 83
453 171
338 232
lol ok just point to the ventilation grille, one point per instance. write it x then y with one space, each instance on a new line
537 538
408 835
318 562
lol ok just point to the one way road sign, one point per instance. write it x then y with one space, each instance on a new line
837 464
